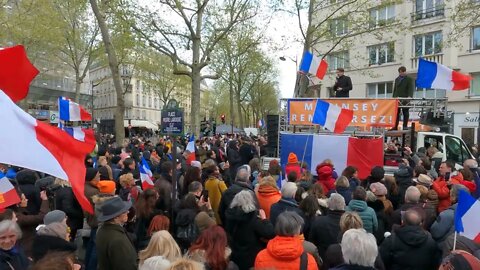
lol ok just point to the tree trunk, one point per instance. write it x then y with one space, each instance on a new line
113 63
195 109
239 110
78 84
232 107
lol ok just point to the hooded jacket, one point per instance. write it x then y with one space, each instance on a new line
404 179
267 196
283 252
410 247
246 232
325 177
367 214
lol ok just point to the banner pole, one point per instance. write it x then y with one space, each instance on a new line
306 143
454 241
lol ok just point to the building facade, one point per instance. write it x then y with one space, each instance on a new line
399 34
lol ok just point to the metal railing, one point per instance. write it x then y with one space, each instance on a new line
438 58
419 15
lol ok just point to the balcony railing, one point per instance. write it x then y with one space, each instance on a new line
436 12
438 58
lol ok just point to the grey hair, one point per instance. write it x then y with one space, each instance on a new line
244 199
336 202
412 194
359 247
455 191
289 190
471 163
289 223
10 225
243 175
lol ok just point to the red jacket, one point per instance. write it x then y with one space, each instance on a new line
440 186
458 179
293 167
283 253
325 177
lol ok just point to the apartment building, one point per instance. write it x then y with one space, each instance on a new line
400 34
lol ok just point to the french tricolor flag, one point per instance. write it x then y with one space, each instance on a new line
332 117
146 175
467 219
81 134
8 194
191 150
436 76
314 65
33 144
71 111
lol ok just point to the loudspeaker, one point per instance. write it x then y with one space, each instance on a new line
272 130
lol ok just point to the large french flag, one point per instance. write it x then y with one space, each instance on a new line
437 76
467 220
342 150
8 194
71 111
332 117
191 150
314 65
146 175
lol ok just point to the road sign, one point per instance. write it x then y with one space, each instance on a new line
172 119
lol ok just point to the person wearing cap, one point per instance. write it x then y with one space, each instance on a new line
114 248
380 192
293 165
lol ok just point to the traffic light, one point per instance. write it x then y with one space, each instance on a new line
223 118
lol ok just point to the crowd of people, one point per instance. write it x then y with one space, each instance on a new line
224 211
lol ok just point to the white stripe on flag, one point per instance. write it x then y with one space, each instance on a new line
79 134
74 111
314 65
332 116
443 80
470 221
5 185
333 147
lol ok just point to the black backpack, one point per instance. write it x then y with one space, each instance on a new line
186 235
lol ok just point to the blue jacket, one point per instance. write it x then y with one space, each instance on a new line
284 205
367 214
444 225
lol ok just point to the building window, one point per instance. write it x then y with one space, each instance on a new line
475 86
338 60
380 90
150 102
429 93
428 9
382 16
428 44
137 100
475 38
144 101
381 54
339 26
144 114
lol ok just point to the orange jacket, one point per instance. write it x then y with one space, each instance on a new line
283 253
267 195
440 186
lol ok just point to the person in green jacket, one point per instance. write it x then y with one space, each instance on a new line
114 248
403 88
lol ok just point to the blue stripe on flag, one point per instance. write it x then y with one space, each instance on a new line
427 71
320 114
465 201
69 130
295 143
64 109
306 62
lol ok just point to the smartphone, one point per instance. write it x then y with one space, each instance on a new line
205 195
447 176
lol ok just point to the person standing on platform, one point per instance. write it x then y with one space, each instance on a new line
343 84
403 88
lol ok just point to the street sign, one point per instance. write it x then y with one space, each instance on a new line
172 119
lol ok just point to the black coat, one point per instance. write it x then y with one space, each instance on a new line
246 232
227 198
282 206
382 220
65 200
345 83
325 231
247 152
235 161
410 247
26 183
15 258
344 191
42 244
334 258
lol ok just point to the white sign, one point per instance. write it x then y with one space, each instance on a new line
54 117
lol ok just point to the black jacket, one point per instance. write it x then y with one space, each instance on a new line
247 152
246 232
65 200
26 183
325 231
14 257
334 258
282 206
345 83
227 198
42 244
234 160
382 219
410 247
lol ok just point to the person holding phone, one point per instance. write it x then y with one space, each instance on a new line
441 184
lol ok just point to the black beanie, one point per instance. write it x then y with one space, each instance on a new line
90 175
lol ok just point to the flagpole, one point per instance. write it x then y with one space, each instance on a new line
306 143
454 241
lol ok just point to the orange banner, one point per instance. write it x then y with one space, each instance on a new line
366 112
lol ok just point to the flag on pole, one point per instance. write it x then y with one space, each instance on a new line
81 134
314 65
71 111
191 149
146 175
437 76
261 124
332 117
8 194
467 220
16 72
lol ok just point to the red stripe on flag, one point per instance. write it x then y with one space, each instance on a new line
84 115
16 72
460 81
70 154
322 69
344 119
365 154
191 157
477 239
8 198
146 185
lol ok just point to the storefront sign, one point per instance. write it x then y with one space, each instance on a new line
366 112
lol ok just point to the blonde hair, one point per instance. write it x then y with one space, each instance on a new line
342 181
268 181
161 244
186 264
350 220
62 182
126 179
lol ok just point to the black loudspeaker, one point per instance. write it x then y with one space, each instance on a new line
272 130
